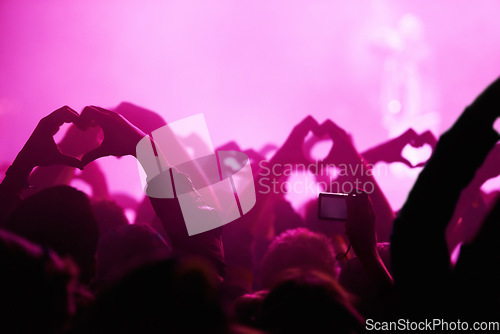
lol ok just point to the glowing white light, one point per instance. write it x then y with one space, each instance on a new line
394 106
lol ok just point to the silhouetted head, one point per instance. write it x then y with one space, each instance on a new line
109 216
35 287
170 296
309 302
127 248
60 218
299 248
146 120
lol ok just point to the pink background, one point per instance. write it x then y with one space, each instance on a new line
254 68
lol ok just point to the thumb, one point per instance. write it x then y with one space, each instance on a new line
70 161
93 155
406 162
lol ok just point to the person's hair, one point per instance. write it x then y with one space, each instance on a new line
35 287
298 248
308 302
60 218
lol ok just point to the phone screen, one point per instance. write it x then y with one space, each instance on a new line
332 206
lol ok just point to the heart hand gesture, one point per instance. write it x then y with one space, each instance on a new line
41 149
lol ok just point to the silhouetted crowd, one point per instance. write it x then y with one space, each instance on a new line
75 263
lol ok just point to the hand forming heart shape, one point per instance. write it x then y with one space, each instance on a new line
409 148
41 149
119 138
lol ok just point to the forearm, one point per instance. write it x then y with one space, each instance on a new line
12 186
207 245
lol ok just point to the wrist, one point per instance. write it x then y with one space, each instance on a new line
21 166
16 179
368 254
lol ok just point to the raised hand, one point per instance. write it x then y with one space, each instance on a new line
75 143
41 149
488 104
343 150
264 151
291 152
229 146
490 167
120 136
390 151
427 213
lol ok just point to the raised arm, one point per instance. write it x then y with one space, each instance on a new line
120 139
420 258
39 150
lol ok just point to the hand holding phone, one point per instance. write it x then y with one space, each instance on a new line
355 209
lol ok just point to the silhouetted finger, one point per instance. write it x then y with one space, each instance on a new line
63 115
103 110
93 155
